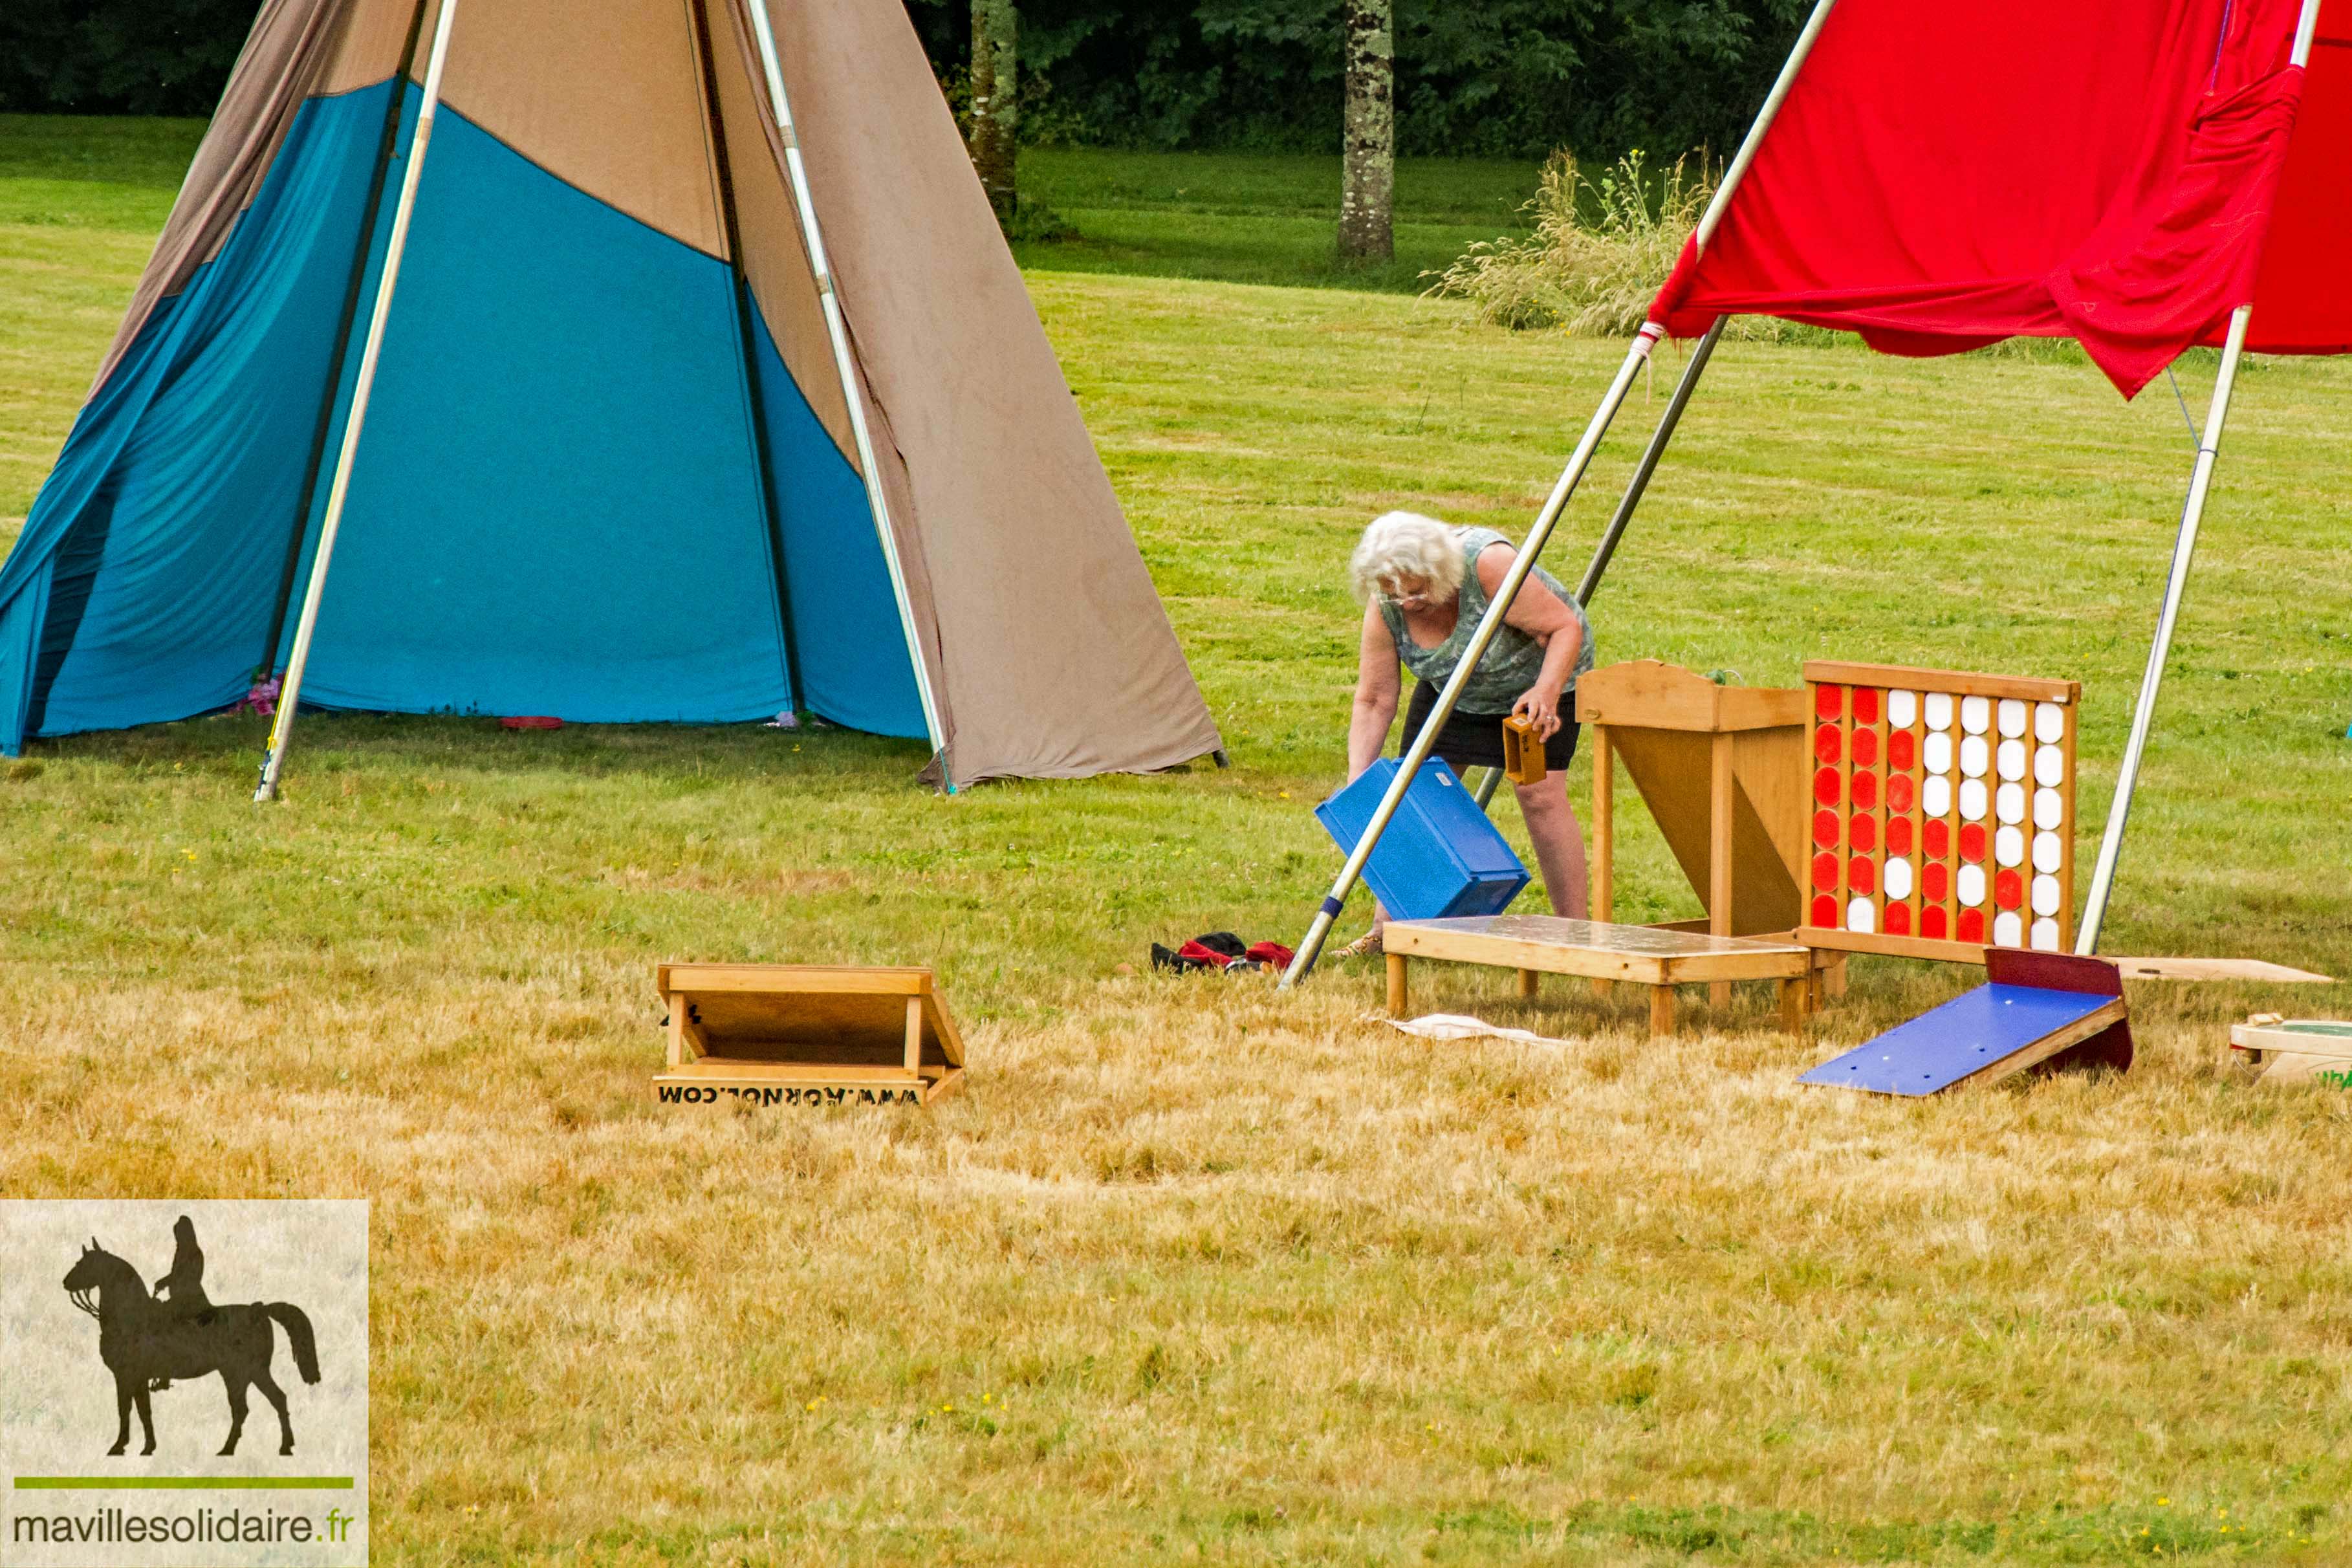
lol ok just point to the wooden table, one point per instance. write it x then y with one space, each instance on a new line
1644 955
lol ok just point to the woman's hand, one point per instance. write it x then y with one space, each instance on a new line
1540 705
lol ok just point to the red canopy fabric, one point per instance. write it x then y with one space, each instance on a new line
1941 177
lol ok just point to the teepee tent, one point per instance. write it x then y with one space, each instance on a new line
652 360
2140 176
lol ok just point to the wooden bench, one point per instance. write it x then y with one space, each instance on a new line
1536 945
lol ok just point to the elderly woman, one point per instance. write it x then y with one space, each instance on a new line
1425 588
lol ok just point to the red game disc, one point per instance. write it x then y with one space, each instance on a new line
1864 790
1825 829
1900 793
1825 868
2007 890
1972 842
1971 925
1865 705
1828 700
1937 838
1825 786
1825 912
1933 924
1898 829
1898 920
1902 751
1863 838
1936 882
1862 876
1866 747
1828 744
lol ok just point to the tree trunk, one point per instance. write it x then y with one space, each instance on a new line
1368 181
996 98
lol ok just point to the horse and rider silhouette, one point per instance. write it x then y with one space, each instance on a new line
146 1342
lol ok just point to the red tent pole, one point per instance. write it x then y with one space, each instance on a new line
1310 946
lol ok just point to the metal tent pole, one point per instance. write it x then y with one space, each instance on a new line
1310 946
1640 483
2192 513
291 697
845 365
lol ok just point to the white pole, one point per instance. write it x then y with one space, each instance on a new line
846 365
2111 844
290 698
1310 946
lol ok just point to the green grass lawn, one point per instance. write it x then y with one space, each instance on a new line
1195 1271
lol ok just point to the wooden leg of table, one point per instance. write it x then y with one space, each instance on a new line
1662 1009
1604 834
1528 980
1793 1005
1833 979
1396 985
1718 855
914 1035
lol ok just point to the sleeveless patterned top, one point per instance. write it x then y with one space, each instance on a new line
1513 659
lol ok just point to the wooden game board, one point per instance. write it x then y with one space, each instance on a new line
1644 955
1942 812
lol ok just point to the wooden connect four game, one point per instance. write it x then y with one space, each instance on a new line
1941 812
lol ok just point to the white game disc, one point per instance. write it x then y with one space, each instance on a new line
1897 878
2009 847
2012 716
2009 761
2049 723
1976 714
1940 710
1935 798
2045 935
1902 710
1972 800
1937 753
2008 930
1862 915
2045 895
1969 885
2047 853
2049 766
2009 803
2048 811
1974 756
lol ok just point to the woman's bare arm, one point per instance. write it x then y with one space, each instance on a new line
1545 617
1376 686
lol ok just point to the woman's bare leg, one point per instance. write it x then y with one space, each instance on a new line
1559 840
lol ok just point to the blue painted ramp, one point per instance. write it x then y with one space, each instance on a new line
1970 1032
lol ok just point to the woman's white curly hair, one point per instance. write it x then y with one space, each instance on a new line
1401 544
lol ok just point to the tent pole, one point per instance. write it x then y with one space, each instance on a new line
291 697
1310 946
370 210
2192 513
845 365
1640 483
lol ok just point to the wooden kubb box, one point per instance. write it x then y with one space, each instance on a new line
806 1035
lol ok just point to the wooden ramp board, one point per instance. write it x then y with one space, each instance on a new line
806 1034
2217 969
1644 955
2037 1008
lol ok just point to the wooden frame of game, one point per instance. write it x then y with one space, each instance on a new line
808 1033
1943 812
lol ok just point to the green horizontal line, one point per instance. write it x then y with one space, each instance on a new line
183 1483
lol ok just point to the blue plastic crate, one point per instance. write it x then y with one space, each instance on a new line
1439 856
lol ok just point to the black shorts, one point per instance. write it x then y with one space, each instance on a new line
1476 740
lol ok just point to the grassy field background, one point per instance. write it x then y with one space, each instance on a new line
1195 1272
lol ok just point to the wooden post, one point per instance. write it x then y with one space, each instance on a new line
1527 981
1793 996
914 1036
1718 853
677 1031
1662 1009
1604 835
1396 985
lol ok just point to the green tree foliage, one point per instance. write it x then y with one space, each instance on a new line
119 57
1513 78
